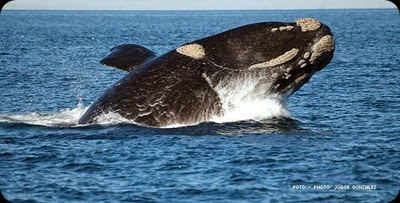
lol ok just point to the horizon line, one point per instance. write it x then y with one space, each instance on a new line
217 9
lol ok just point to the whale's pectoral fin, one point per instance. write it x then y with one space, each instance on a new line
127 56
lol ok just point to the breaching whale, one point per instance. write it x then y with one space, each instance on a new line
190 84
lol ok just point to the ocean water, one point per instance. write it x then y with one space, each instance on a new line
342 128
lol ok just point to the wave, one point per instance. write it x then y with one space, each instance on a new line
258 109
65 117
247 110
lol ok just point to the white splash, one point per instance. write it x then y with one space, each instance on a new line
66 117
247 98
112 118
258 109
63 118
242 99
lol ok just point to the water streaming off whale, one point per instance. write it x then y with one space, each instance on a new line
257 110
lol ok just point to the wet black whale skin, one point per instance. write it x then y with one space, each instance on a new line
171 89
3 3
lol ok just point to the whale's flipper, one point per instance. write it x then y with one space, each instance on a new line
127 56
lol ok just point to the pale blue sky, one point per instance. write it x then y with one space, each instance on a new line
195 4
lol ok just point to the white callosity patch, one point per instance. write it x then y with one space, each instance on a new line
308 24
288 28
301 78
302 61
325 44
306 55
287 56
195 51
290 88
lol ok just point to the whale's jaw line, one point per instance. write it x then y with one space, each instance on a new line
316 59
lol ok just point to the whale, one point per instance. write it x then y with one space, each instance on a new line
3 3
196 81
396 3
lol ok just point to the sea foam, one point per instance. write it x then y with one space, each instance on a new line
238 110
65 117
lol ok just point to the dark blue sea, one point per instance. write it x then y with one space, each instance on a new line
342 129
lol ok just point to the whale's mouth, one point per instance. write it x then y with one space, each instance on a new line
301 76
290 65
314 59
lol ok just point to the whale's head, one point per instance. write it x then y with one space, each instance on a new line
291 53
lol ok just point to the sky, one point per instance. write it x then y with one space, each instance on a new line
195 4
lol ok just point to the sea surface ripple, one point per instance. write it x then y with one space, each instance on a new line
343 127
